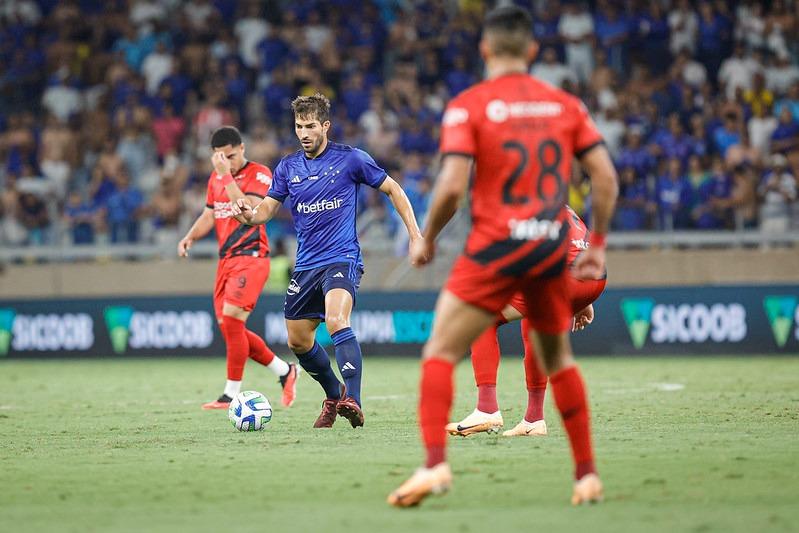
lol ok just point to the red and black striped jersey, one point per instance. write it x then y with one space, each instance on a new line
234 237
522 134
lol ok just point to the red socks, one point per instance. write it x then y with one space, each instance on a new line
485 362
536 378
569 392
259 351
238 347
435 400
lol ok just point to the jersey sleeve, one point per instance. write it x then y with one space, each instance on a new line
458 135
366 170
280 185
259 182
586 135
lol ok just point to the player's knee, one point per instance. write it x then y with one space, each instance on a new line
234 311
437 350
336 322
300 345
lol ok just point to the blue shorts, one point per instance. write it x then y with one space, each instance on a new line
305 297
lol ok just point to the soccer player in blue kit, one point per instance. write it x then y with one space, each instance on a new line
322 181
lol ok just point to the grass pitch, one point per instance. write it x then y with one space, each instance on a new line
699 444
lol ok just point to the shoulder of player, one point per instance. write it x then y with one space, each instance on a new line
252 168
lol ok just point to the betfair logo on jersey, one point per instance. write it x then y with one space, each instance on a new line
637 314
781 311
318 207
157 330
6 327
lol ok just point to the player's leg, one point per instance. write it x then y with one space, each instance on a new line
314 360
486 416
455 326
485 358
243 288
533 423
219 301
340 285
550 315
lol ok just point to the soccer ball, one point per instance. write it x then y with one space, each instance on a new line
249 411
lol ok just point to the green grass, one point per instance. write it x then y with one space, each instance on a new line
123 446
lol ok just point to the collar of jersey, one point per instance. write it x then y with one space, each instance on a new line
329 144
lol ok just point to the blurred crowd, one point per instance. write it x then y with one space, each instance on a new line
106 108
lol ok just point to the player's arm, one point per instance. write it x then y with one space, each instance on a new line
451 184
604 190
400 201
263 212
201 227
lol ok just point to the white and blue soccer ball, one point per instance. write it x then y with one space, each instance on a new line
249 411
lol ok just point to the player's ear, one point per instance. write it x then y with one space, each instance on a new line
325 126
532 51
485 48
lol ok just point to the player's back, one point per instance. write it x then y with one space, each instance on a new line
522 134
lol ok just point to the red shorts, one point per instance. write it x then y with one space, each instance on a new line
583 292
239 281
483 287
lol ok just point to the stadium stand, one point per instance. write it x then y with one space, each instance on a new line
106 109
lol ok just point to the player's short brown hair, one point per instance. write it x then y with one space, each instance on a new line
314 107
509 30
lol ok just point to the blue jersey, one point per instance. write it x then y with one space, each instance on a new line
324 198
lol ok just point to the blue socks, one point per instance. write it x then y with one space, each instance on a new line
317 363
350 361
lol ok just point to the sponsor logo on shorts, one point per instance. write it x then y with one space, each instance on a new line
294 287
533 229
781 311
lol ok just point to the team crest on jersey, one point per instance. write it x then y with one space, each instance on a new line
263 178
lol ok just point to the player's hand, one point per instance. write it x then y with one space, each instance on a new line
583 317
184 245
242 207
420 251
221 163
590 264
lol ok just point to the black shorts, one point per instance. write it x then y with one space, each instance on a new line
305 297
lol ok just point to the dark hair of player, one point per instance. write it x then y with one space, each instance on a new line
312 107
509 30
224 136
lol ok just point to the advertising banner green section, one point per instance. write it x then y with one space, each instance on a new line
688 320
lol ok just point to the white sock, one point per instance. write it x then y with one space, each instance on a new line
232 388
278 366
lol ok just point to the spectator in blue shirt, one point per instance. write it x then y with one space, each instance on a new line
123 211
633 204
709 213
785 139
612 32
673 196
633 154
80 218
728 134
